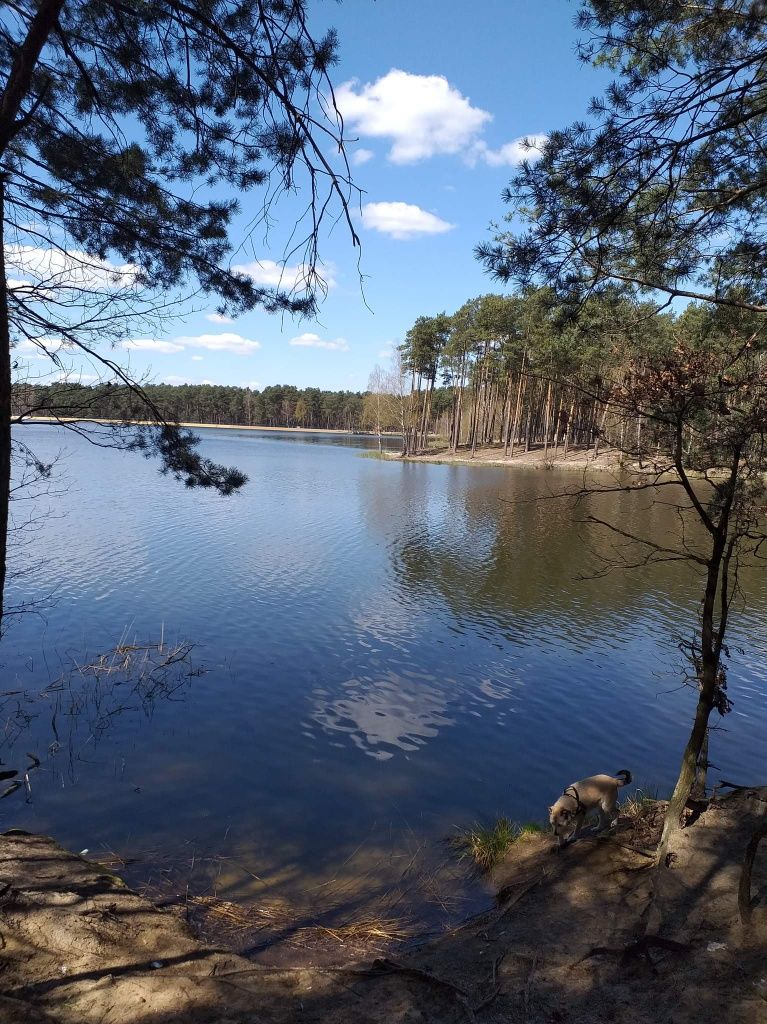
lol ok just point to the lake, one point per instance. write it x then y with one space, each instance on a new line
384 651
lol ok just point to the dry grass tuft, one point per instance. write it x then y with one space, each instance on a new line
369 930
486 845
640 802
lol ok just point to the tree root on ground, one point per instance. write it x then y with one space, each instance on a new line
640 948
745 903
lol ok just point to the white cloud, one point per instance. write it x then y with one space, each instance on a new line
29 289
315 341
254 385
152 345
423 115
198 359
271 274
402 220
226 342
57 268
527 147
218 318
385 353
41 346
174 379
361 156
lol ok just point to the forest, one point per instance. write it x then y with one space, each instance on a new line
527 372
274 406
519 373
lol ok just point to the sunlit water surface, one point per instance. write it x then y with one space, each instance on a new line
385 651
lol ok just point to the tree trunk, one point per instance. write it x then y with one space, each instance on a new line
546 422
558 424
5 406
689 766
568 426
16 91
508 421
710 654
518 406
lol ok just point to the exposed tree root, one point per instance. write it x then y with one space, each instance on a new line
745 903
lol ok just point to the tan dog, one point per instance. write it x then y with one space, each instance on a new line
597 793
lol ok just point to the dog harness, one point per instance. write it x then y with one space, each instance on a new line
572 792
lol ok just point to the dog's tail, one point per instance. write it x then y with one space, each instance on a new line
626 777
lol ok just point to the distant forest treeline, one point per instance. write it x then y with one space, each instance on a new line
275 406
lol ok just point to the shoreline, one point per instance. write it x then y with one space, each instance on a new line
197 426
80 947
577 459
580 460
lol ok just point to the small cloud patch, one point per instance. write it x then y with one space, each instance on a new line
315 341
402 220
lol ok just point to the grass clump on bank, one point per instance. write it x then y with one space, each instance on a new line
640 802
486 845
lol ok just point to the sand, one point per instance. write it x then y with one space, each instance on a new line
592 933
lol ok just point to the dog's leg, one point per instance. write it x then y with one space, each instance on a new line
605 820
608 811
578 819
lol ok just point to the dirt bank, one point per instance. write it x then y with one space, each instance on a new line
537 458
593 933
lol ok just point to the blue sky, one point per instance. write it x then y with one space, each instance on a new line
438 94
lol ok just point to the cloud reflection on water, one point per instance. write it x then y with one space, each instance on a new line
381 716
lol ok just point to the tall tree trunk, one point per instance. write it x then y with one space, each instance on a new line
458 416
479 392
568 427
529 428
5 406
707 680
546 422
507 415
459 403
16 91
518 405
711 637
558 423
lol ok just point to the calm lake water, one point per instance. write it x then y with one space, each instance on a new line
385 650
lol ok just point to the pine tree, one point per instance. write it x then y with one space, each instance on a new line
128 130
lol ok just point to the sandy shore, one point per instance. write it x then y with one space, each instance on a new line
593 934
580 459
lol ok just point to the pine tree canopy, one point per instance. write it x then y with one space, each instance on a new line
664 186
129 130
140 124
